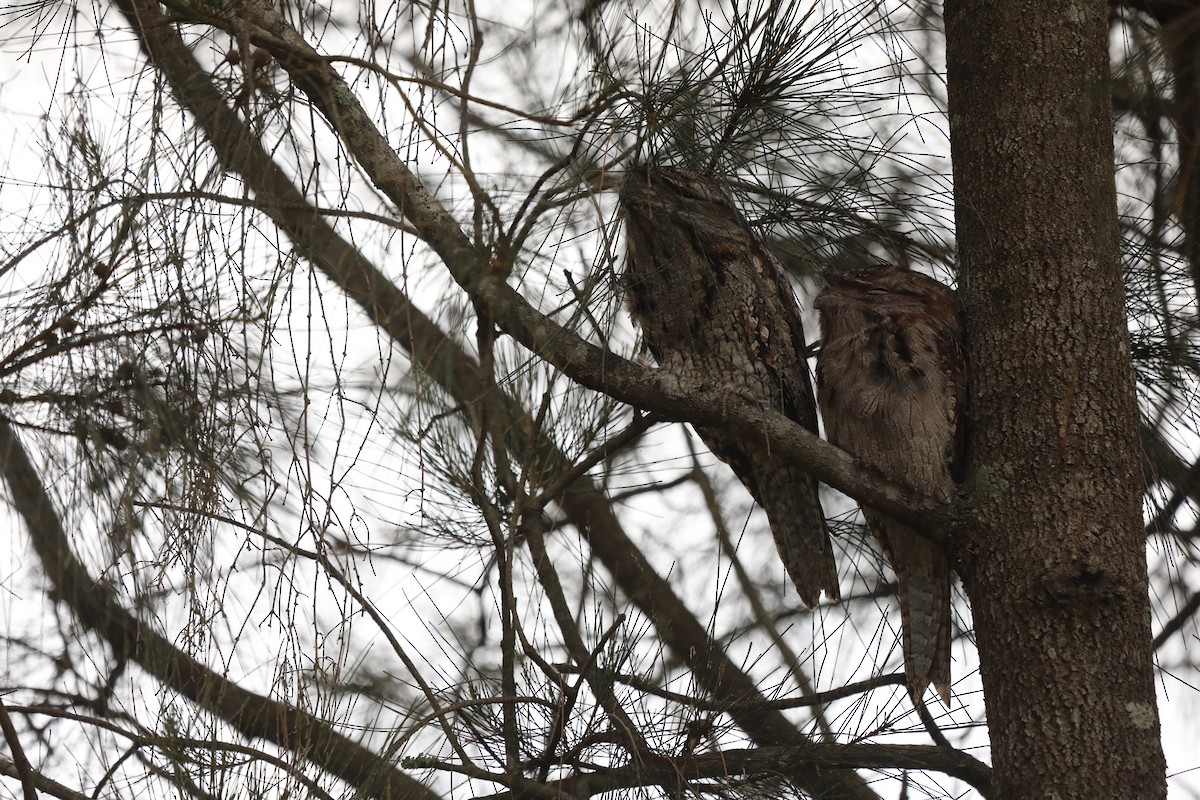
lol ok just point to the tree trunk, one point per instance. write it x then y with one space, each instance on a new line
1053 555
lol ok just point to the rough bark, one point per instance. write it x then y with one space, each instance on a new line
1054 558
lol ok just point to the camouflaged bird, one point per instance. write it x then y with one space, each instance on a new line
891 380
716 310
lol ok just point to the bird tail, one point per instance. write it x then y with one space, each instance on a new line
801 534
924 593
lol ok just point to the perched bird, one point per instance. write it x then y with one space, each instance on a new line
717 311
891 379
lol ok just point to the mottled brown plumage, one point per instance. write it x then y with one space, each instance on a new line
892 384
717 311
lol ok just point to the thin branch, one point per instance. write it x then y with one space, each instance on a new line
610 447
548 578
382 624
